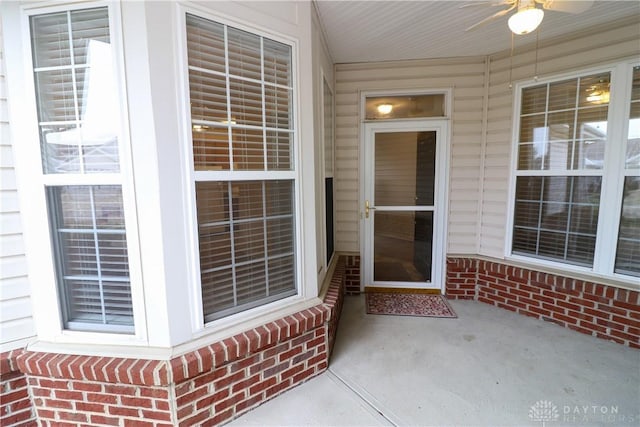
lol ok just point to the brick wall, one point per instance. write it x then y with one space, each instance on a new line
211 385
591 308
15 402
352 274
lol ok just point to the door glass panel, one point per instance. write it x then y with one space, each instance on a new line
405 168
403 246
404 181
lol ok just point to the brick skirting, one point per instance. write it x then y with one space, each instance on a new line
591 308
209 386
352 274
15 403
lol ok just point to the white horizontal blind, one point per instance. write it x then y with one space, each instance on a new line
565 137
561 145
241 115
628 248
78 121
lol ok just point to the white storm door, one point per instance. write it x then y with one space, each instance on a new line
403 208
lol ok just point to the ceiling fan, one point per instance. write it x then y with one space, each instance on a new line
528 15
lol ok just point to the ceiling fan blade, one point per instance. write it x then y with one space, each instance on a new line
491 18
487 3
569 6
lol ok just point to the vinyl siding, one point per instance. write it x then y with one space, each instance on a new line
16 322
466 77
598 46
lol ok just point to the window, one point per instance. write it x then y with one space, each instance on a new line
78 118
241 97
328 168
567 155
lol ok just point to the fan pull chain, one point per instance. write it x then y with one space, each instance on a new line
511 63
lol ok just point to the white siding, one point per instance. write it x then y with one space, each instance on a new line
466 77
598 46
16 322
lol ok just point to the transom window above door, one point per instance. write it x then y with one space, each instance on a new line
405 106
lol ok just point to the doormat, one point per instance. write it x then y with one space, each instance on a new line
423 305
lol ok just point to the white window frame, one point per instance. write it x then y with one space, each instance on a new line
33 182
612 182
305 297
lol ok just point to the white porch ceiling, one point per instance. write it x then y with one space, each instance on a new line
365 31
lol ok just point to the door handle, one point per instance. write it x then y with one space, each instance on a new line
367 208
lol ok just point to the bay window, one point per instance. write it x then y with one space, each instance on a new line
574 169
79 128
243 168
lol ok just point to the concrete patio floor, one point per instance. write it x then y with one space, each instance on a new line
488 367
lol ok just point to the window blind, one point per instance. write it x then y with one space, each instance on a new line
78 111
241 95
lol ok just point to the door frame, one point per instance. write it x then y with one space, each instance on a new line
368 130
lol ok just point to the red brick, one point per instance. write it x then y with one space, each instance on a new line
123 412
102 398
137 402
231 349
185 411
206 358
289 354
59 404
45 413
120 389
72 416
156 415
68 395
90 407
58 384
82 386
99 419
243 344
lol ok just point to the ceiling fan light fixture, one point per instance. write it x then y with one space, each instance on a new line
526 20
